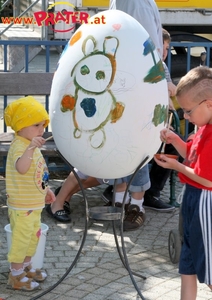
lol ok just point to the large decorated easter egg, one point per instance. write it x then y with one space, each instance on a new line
109 97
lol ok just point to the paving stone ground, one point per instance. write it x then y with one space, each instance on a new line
99 272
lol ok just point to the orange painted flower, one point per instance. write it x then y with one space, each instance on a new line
29 212
38 234
67 103
117 112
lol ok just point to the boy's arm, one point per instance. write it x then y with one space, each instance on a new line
189 172
181 147
169 137
173 164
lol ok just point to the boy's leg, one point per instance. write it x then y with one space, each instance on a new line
188 287
135 215
195 259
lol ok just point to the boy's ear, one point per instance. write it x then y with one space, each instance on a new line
209 103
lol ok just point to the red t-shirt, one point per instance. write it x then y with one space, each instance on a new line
199 156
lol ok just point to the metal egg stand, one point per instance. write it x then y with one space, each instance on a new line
106 213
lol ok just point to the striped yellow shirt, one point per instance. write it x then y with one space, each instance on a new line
25 191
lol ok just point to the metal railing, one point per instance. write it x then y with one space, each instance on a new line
2 6
26 44
201 56
188 46
46 45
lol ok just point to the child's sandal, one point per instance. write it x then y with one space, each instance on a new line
37 275
14 282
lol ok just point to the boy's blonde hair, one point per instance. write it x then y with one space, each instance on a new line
200 79
166 36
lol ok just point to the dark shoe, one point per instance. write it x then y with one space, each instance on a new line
66 205
56 192
134 218
107 195
118 204
59 215
155 203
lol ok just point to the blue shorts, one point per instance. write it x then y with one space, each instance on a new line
196 253
140 182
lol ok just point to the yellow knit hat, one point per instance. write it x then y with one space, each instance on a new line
25 112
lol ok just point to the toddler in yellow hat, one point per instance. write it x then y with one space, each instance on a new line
27 189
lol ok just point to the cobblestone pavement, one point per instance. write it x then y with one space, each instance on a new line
99 273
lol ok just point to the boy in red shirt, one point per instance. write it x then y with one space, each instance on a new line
194 94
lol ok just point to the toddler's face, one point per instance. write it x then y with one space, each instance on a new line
32 131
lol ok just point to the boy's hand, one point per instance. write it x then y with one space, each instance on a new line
171 105
167 136
166 162
50 197
171 89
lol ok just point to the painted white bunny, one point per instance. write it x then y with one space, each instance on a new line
93 103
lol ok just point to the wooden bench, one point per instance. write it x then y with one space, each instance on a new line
20 85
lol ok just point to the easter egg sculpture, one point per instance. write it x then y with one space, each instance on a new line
109 97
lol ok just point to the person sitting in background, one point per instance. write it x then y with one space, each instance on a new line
134 211
171 86
158 175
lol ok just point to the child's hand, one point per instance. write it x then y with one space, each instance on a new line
171 89
37 141
167 136
166 162
171 105
50 197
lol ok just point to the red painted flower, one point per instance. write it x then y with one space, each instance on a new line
38 234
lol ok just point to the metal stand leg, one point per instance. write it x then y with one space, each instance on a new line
123 257
172 182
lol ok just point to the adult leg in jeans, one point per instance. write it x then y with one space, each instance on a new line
134 211
158 178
